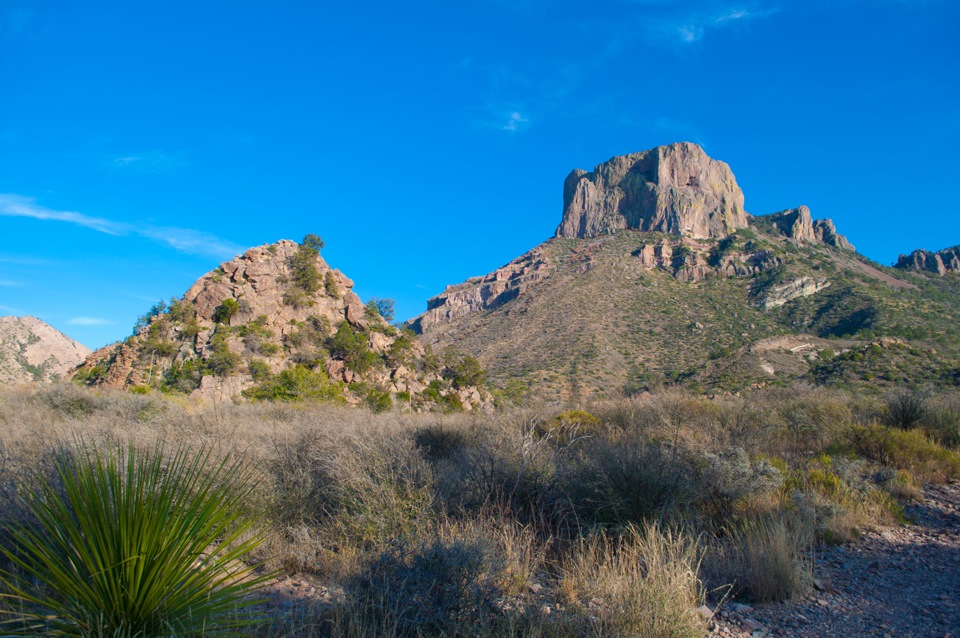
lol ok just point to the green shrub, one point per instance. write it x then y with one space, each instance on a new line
568 426
226 311
296 383
352 348
330 285
303 265
908 450
134 544
462 370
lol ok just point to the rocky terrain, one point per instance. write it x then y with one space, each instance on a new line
31 350
656 272
902 581
939 263
278 323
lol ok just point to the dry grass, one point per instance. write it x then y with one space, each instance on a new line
446 524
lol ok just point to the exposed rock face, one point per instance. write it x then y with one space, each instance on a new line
939 263
797 224
795 289
31 350
250 317
690 261
676 189
486 292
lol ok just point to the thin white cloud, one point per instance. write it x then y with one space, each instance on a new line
515 121
12 311
89 321
185 240
154 162
17 206
5 283
692 28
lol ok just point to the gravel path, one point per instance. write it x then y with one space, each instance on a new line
898 582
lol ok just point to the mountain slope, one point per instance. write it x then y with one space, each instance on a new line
625 309
31 350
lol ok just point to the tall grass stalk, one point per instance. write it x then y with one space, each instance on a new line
133 543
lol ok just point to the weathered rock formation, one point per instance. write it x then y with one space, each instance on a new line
676 189
797 224
939 263
486 292
31 350
777 296
253 318
691 261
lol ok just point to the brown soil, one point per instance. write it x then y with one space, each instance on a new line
900 582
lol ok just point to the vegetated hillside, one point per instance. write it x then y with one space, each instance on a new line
31 350
277 323
622 310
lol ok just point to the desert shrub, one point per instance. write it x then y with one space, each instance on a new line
438 442
226 311
906 408
379 400
222 361
296 383
908 450
642 583
259 370
132 543
352 347
764 559
615 481
330 285
437 588
183 376
569 426
731 484
303 266
68 399
462 370
942 421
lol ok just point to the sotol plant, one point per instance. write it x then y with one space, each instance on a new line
133 543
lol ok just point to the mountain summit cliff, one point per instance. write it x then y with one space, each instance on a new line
676 189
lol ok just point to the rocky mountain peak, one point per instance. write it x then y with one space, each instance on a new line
799 225
31 350
676 189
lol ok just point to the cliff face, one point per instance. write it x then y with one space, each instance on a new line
676 189
31 350
939 263
260 315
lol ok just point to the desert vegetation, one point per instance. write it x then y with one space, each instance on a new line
619 518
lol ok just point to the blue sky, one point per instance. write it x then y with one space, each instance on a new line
141 143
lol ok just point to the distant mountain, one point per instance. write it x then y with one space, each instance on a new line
278 323
657 275
31 350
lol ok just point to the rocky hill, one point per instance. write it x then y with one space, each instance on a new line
31 350
658 275
939 263
278 323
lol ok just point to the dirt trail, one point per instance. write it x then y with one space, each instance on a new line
901 582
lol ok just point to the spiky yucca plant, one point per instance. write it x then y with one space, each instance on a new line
134 544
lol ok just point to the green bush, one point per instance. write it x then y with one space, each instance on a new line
908 450
226 311
134 544
296 383
352 348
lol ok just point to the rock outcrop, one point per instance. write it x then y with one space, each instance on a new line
690 261
676 189
31 350
939 263
276 309
798 224
484 293
777 296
